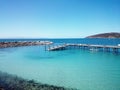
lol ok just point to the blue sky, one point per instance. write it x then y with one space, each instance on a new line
58 18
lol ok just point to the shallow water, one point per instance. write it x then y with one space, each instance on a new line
73 68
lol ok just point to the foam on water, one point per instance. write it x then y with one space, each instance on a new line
76 68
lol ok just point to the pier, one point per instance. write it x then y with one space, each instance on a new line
85 46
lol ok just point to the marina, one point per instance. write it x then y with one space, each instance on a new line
82 64
51 45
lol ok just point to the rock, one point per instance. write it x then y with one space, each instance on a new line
23 43
10 82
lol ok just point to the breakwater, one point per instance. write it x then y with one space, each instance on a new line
23 43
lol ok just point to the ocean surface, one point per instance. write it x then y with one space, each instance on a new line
73 40
73 68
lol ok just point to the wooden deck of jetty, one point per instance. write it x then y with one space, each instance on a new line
85 46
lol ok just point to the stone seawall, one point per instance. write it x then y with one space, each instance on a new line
23 43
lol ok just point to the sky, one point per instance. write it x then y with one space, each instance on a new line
58 18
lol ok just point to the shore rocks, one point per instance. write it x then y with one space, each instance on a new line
23 43
10 82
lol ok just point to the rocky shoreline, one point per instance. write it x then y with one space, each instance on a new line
11 82
23 43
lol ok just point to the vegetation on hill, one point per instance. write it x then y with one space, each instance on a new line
106 35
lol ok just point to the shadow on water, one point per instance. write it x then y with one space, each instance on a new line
38 57
116 53
8 50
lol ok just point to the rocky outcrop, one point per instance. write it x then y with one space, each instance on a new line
23 43
105 35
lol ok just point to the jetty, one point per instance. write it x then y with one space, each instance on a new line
85 46
23 43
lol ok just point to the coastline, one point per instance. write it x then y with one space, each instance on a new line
12 82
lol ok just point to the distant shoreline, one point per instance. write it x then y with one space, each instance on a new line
105 35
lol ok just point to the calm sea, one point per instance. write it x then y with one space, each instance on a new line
73 68
76 40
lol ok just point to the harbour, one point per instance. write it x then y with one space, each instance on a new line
70 63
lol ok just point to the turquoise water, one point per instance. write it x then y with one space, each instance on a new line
100 41
74 68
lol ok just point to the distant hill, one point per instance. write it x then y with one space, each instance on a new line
105 35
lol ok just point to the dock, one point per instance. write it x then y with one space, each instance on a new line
85 46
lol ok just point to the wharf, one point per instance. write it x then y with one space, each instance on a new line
85 46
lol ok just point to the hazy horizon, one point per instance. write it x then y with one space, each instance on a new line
58 18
